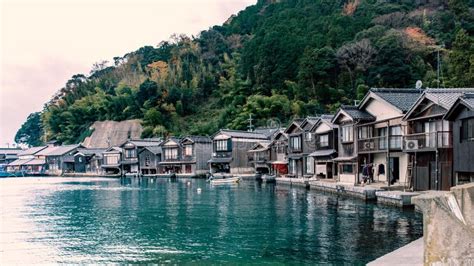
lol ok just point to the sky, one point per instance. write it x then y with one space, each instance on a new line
44 42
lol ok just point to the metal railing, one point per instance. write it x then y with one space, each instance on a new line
427 141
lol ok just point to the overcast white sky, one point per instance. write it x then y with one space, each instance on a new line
44 42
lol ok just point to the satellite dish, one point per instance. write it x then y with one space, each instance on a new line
418 84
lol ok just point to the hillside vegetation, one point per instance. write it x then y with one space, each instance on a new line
274 60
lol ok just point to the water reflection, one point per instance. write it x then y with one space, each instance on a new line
60 220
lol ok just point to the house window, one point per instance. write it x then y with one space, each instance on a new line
347 134
221 145
295 143
111 159
309 165
347 168
365 132
293 167
382 133
171 154
309 136
396 137
188 150
467 130
324 140
130 153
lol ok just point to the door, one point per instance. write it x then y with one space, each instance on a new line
329 169
394 169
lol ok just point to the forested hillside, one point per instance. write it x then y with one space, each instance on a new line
277 59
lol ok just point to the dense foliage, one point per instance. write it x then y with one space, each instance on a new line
31 131
274 60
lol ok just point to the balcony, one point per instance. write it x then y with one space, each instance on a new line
379 144
427 141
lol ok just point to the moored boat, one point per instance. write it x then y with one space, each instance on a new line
226 180
269 178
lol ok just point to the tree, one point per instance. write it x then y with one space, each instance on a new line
31 131
461 61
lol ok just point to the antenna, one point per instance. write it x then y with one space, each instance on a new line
418 84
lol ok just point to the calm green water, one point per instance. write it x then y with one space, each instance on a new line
97 220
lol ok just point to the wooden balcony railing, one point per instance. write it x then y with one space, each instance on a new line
428 141
380 144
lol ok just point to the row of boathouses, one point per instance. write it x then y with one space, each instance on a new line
418 139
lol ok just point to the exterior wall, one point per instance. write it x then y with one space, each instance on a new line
203 153
381 158
463 151
240 164
381 110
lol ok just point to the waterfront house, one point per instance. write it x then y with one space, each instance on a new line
186 156
379 142
8 155
130 149
149 158
429 139
347 119
111 159
59 159
326 141
28 162
259 157
461 114
295 148
230 151
88 160
279 154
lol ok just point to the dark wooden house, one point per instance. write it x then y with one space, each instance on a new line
130 149
348 118
295 136
429 139
8 155
279 154
111 159
88 161
230 151
259 157
326 141
59 159
150 158
461 114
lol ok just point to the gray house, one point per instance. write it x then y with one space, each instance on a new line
59 159
461 115
186 156
150 158
8 155
230 151
326 142
88 161
130 149
111 159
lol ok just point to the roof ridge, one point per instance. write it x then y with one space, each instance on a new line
396 90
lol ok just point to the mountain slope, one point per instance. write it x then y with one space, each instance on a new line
274 60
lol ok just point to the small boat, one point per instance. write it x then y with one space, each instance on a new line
5 173
225 180
269 178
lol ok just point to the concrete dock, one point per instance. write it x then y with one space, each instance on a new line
362 192
411 254
301 182
396 198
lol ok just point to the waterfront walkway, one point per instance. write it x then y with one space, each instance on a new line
411 254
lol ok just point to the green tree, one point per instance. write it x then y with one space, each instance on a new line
31 131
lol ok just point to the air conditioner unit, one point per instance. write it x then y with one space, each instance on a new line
214 154
411 145
369 145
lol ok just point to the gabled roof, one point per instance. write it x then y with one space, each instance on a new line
154 149
466 101
401 99
113 150
354 113
32 150
143 142
261 146
295 123
445 98
324 119
58 150
268 132
241 134
310 120
197 139
174 139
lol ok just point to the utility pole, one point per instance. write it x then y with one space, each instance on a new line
438 65
250 126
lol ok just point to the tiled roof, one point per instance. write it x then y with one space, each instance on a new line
403 99
154 149
87 151
355 113
446 97
32 150
10 150
57 150
468 99
145 142
268 132
199 139
243 134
